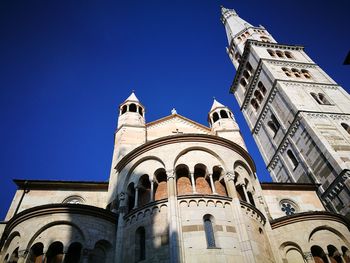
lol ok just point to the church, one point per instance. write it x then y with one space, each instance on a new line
180 191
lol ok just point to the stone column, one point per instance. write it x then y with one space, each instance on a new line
85 255
151 198
119 240
174 249
230 185
245 192
193 182
22 255
212 184
136 197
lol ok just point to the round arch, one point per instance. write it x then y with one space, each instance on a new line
214 154
49 225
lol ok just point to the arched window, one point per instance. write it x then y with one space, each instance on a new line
346 127
249 67
264 39
258 96
73 253
144 187
124 109
101 252
243 82
209 230
6 258
314 95
346 254
240 193
219 183
271 52
274 125
292 158
323 99
287 72
132 107
262 87
306 73
202 185
160 191
334 254
54 253
215 116
279 54
36 253
183 183
140 244
255 104
319 255
131 196
288 54
247 34
223 114
140 111
246 74
296 72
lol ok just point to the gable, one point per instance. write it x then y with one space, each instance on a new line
173 125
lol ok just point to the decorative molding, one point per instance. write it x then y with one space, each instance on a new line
312 85
291 63
284 146
253 212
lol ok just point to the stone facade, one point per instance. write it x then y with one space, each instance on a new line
178 192
298 115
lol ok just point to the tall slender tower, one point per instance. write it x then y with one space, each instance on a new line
298 116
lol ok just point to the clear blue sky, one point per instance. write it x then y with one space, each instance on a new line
65 66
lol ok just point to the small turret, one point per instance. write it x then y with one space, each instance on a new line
223 123
131 112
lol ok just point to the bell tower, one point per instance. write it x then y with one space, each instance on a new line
223 123
298 116
130 133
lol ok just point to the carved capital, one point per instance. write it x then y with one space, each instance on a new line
230 176
121 196
308 255
170 174
22 253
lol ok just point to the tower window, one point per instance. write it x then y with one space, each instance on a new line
124 108
279 54
140 111
288 55
215 117
243 82
292 158
246 74
258 96
287 72
346 127
306 73
296 72
209 231
274 125
223 114
271 52
255 104
132 107
320 98
249 67
262 87
140 244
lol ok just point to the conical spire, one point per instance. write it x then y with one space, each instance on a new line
216 104
132 97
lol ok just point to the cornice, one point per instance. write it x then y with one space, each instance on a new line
182 138
53 184
308 216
